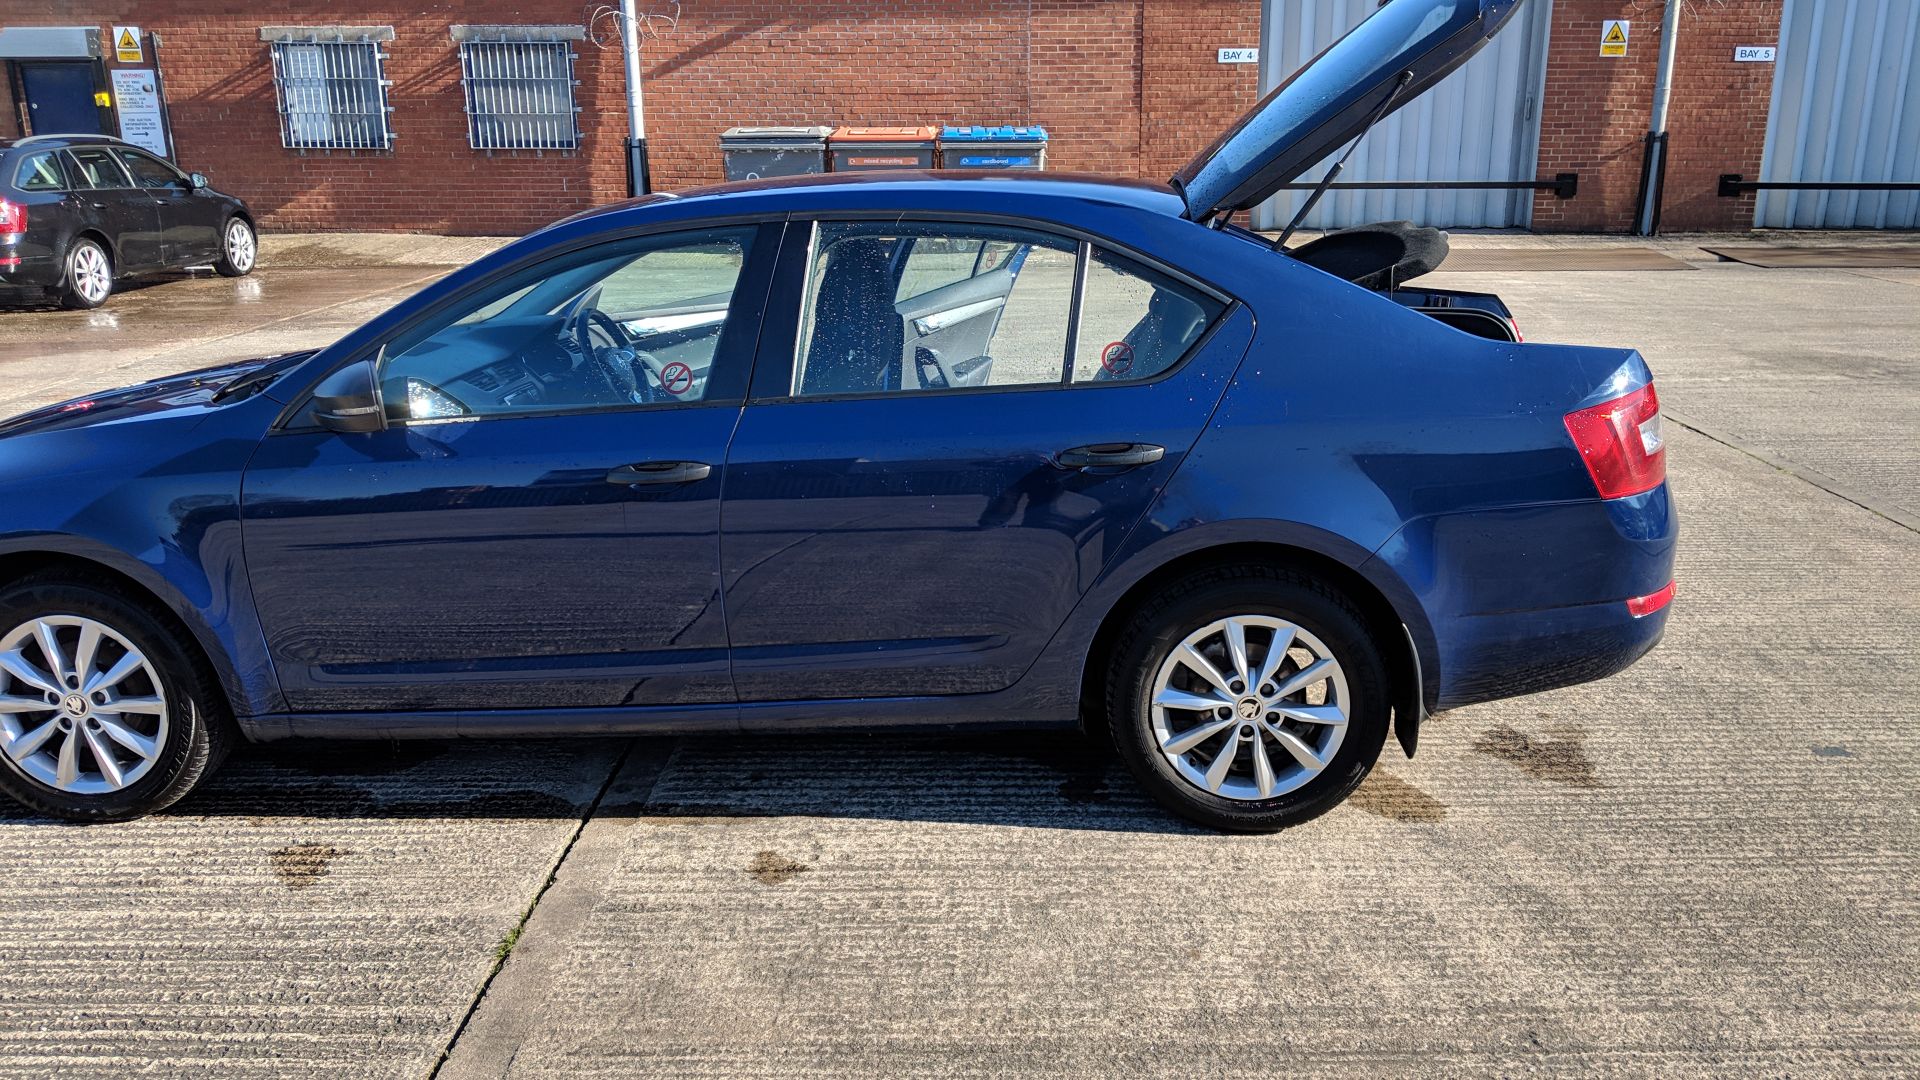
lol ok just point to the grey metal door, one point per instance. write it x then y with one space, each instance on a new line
1481 123
1846 109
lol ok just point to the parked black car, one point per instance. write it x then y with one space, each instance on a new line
80 212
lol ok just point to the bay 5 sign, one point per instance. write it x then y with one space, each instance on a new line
874 451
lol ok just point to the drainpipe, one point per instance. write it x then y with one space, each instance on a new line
1653 168
638 182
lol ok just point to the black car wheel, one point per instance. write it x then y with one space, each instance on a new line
89 275
104 714
1248 698
239 248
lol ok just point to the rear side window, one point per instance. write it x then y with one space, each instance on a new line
96 167
150 172
1135 322
914 307
39 172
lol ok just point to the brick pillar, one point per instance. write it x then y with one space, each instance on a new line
1593 119
1718 119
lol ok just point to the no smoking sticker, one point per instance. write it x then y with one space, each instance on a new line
1117 358
676 378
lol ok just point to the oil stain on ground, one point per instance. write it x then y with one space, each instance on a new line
1561 760
301 865
1386 795
772 868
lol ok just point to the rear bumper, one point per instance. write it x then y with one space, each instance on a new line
28 271
1534 598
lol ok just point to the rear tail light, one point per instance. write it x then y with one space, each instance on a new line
1642 606
1621 443
13 217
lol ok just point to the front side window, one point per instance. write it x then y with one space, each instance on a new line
333 95
151 172
908 307
634 323
39 172
896 306
96 167
519 95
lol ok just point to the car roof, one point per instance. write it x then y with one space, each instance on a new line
932 189
51 142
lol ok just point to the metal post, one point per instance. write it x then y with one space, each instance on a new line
1654 168
638 181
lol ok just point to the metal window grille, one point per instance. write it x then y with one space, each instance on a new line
333 95
519 95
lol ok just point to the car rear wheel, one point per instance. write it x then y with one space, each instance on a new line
239 249
104 714
1248 698
89 277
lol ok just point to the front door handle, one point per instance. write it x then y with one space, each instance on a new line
660 472
1110 455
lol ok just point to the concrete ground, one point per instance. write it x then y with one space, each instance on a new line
1705 865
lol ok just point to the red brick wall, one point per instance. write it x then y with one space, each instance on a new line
1127 87
1595 115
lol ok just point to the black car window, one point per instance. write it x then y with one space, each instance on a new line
908 307
1134 322
637 322
95 167
150 172
39 172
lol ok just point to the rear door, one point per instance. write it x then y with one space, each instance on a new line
107 198
888 533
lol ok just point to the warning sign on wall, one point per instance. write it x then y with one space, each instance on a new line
126 44
1613 37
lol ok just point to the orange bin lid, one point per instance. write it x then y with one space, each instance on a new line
883 134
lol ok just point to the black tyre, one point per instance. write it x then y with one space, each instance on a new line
239 248
105 713
88 279
1248 698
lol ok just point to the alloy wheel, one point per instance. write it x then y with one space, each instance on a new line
92 274
82 711
241 246
1249 707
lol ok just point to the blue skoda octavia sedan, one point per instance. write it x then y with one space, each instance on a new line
862 452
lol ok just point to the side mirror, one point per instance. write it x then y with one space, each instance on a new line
197 181
348 401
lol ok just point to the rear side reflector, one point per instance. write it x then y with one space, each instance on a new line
1621 443
1641 606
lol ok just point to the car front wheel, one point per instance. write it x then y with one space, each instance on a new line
239 249
1248 698
89 276
104 713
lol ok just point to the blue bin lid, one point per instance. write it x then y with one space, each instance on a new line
1003 133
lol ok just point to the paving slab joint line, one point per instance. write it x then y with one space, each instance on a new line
1818 479
505 951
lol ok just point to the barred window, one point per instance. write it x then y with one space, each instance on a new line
519 95
333 95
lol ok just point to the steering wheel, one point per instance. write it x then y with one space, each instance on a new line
621 366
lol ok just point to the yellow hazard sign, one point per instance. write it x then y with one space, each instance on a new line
1613 37
126 44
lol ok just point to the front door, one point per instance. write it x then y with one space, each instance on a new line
59 97
108 198
189 220
941 456
538 526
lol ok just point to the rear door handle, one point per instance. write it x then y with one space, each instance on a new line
1110 455
660 472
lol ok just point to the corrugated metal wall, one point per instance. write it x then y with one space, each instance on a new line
1846 108
1481 123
